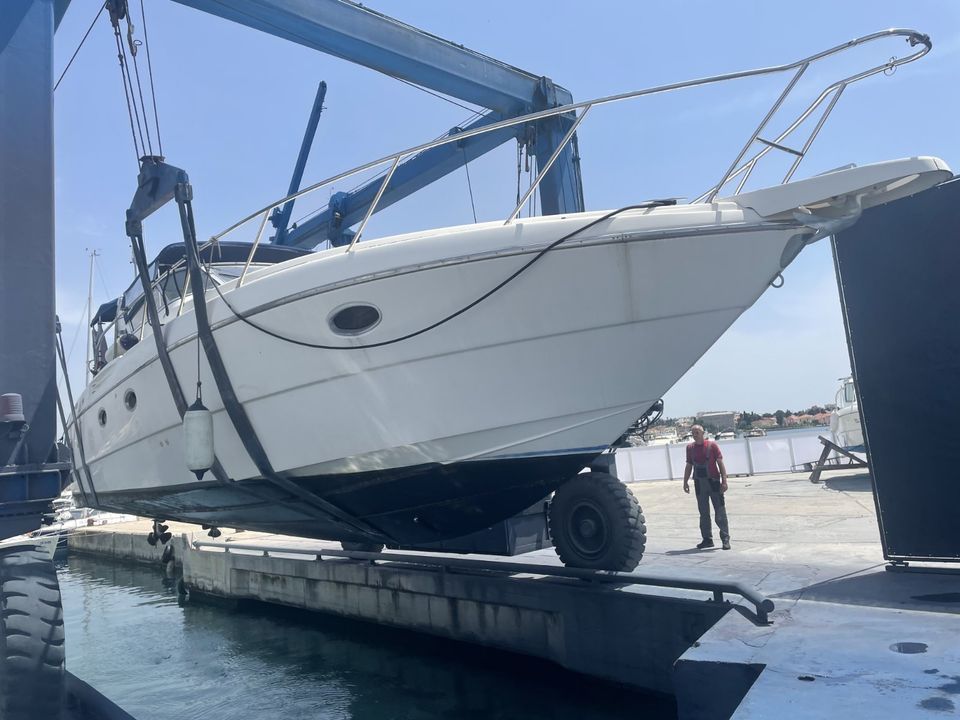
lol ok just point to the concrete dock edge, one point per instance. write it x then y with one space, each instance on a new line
610 633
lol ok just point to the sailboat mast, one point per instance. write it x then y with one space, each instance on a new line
86 372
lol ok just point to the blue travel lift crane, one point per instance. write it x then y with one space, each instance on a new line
368 38
35 468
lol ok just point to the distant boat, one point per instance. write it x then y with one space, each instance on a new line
725 435
756 432
845 419
666 437
67 517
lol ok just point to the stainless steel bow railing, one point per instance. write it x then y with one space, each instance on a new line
739 167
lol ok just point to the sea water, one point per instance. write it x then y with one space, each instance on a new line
158 657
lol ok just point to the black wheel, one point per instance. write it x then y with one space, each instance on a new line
595 522
369 547
31 636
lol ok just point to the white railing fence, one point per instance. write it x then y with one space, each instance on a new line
776 452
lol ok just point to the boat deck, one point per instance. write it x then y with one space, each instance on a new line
862 633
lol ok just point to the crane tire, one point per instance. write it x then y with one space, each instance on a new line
31 637
596 523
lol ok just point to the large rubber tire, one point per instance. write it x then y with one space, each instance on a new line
361 546
31 637
595 522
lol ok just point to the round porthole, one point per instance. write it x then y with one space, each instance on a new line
130 400
102 417
354 319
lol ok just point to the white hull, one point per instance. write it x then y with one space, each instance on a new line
46 544
558 362
845 424
563 359
845 418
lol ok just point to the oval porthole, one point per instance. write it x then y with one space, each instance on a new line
102 417
130 400
354 319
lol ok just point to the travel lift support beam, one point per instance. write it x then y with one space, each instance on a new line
28 481
363 36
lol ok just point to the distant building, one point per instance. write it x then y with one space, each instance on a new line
720 419
767 422
797 420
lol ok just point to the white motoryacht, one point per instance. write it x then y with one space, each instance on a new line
356 399
419 387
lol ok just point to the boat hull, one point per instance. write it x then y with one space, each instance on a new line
846 427
409 505
459 427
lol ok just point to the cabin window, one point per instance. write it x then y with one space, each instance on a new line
354 319
130 400
102 417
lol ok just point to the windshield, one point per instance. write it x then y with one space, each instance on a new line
135 291
225 260
226 273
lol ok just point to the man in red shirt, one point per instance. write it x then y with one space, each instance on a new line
705 462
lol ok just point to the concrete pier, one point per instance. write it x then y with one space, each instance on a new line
607 632
126 542
845 631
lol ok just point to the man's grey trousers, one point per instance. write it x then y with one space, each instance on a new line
705 495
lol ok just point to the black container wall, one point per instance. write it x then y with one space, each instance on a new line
898 274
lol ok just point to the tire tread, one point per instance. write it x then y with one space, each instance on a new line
31 637
629 548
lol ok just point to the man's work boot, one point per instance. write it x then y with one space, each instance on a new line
708 543
726 544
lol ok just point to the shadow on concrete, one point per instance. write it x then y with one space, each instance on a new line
929 592
692 551
859 482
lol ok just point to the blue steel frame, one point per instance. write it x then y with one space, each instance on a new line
280 218
368 38
27 321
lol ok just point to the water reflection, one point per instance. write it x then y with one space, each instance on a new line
129 637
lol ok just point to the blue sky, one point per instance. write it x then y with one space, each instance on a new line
233 103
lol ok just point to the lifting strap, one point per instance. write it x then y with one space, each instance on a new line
158 183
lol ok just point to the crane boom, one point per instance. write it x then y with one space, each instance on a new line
363 36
